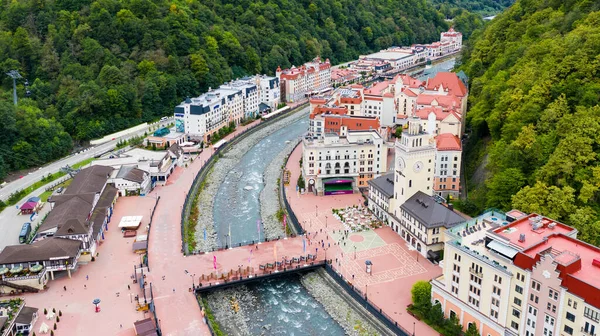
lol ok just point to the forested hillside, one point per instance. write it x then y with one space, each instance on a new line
534 114
483 7
98 67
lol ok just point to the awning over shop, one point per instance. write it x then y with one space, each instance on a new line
130 222
337 180
502 249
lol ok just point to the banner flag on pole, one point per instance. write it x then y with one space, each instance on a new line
215 262
204 234
304 245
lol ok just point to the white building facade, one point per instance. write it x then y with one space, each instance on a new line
335 164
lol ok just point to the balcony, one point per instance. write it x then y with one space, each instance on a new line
588 332
474 272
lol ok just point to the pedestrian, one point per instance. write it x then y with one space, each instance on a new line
87 277
163 277
65 287
173 290
121 326
344 243
352 277
257 246
128 287
84 287
328 244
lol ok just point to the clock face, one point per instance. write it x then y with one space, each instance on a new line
401 164
418 166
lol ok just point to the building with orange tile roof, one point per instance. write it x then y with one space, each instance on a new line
298 83
340 124
448 158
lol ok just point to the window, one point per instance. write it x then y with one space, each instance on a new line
518 302
518 289
514 325
535 285
494 313
516 313
568 330
591 314
496 290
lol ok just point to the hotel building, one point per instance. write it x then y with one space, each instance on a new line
310 78
517 274
341 164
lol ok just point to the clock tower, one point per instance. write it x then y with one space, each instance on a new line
415 156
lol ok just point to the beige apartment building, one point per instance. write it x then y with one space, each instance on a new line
342 163
517 274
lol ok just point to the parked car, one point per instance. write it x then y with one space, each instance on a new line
25 231
59 190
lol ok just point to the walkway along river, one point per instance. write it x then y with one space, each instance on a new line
277 306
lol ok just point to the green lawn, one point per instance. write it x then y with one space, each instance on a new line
17 196
44 196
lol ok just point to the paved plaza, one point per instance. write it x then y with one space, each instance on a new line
394 267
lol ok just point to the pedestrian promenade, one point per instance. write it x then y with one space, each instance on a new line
173 275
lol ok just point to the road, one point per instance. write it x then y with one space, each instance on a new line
72 159
11 221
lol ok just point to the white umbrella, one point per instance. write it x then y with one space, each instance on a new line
44 328
50 315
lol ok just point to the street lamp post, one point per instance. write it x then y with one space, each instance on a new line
325 221
414 325
316 210
354 252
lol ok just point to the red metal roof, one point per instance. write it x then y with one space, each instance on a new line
575 262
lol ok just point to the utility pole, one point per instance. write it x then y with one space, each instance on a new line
14 74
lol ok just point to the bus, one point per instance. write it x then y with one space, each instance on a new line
25 231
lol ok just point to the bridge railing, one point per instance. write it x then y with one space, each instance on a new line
201 175
363 299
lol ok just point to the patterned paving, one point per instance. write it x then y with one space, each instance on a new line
392 258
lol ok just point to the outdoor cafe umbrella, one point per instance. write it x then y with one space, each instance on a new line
96 302
36 268
16 269
44 328
3 270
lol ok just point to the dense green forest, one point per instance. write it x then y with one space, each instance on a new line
483 7
99 67
534 113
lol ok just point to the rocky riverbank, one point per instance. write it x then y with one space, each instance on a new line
269 196
336 306
224 303
221 168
